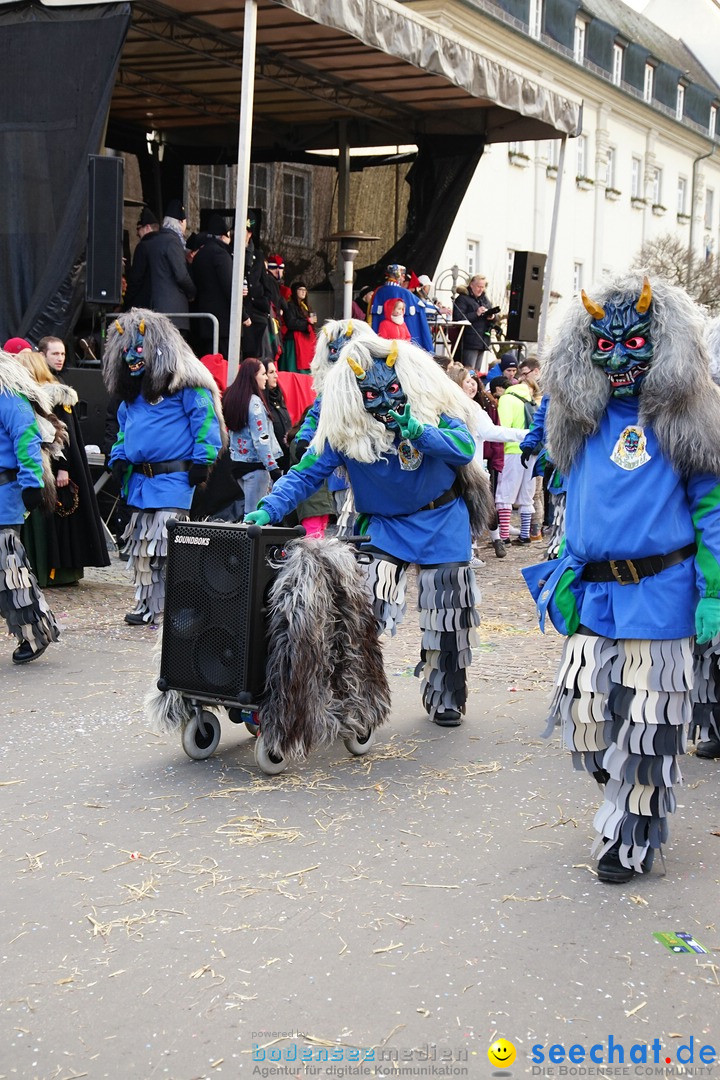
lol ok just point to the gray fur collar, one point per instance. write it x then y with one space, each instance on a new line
678 399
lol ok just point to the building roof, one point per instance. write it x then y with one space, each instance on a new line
643 31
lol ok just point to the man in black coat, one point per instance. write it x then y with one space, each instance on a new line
171 287
137 291
476 307
258 300
212 272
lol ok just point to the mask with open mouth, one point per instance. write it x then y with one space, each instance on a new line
381 391
133 355
623 343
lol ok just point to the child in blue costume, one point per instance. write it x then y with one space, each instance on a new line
633 422
170 433
398 426
26 482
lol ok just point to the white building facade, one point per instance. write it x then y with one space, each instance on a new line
647 163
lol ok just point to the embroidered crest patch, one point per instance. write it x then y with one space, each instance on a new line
630 450
410 458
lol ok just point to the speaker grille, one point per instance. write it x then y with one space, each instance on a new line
207 608
103 283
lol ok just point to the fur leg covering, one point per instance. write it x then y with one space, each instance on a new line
146 543
447 601
558 526
22 604
324 676
386 581
623 706
705 723
474 487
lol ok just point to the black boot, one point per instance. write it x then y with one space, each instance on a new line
612 872
709 749
25 653
448 718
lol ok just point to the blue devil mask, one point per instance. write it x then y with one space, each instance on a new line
381 390
335 344
133 353
623 345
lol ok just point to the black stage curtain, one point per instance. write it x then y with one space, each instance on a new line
438 179
56 80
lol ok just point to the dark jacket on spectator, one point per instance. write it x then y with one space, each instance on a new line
212 272
171 287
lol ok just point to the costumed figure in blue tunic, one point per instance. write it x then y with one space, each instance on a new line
705 726
633 423
170 433
399 426
29 436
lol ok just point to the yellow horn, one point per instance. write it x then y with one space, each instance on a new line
348 332
356 367
118 327
392 355
595 310
141 327
644 299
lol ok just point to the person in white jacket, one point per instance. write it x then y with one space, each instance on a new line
483 430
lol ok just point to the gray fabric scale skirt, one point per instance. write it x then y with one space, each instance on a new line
146 544
624 707
447 601
22 604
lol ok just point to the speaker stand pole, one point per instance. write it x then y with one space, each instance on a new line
551 247
247 92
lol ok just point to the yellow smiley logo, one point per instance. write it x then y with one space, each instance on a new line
502 1054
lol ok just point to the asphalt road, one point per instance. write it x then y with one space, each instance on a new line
385 916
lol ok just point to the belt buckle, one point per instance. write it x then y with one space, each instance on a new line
618 567
147 469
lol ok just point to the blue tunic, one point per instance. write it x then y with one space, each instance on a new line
182 427
20 444
391 497
616 511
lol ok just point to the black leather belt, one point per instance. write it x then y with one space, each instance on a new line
446 497
629 571
157 468
7 476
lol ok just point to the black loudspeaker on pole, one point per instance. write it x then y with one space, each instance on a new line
103 283
526 291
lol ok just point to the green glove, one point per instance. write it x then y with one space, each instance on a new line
707 619
410 428
257 517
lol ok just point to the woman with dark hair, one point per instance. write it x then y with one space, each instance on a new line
279 413
254 450
299 347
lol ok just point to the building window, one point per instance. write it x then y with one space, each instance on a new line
649 81
712 126
681 194
473 257
657 187
296 205
709 207
510 263
636 178
516 148
535 19
213 186
617 64
553 153
577 277
259 190
610 167
579 41
582 155
680 102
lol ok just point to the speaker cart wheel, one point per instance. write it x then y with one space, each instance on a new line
200 740
269 764
358 746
